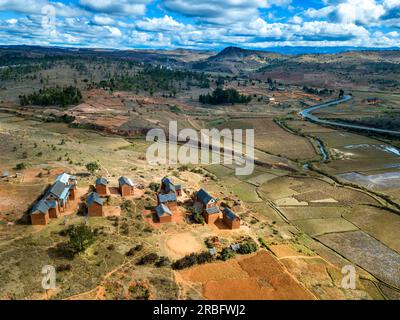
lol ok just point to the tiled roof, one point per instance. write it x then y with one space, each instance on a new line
212 210
94 198
101 181
229 214
40 207
162 209
123 180
170 197
203 196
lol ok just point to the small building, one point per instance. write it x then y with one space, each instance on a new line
231 220
94 205
169 200
60 193
211 214
207 205
54 211
40 214
102 186
164 214
168 187
5 174
126 187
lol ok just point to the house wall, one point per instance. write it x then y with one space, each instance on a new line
95 210
72 194
210 218
40 219
54 213
126 191
165 219
231 224
173 206
102 190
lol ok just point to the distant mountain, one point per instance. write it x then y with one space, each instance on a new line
237 60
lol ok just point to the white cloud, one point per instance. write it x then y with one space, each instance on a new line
165 23
120 7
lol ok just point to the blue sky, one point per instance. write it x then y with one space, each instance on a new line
208 24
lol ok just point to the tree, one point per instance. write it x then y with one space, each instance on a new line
226 254
92 167
80 238
20 166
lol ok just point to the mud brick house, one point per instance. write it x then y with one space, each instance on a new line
55 200
102 186
168 200
94 205
207 205
40 214
62 191
231 220
164 214
168 187
126 187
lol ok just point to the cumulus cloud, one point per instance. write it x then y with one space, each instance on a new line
120 7
165 23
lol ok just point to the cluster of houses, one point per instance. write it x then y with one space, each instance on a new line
205 204
95 202
55 201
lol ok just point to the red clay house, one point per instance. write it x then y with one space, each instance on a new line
102 186
126 187
56 199
231 220
164 214
168 200
168 187
94 205
207 205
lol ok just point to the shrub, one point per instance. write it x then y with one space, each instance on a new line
80 238
93 166
226 254
154 186
20 166
192 259
163 262
198 218
148 259
247 247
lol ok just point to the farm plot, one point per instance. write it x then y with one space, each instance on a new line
258 277
368 253
315 227
301 213
381 224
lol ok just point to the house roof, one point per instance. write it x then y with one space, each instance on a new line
58 189
101 181
65 178
51 204
170 197
212 210
167 185
94 198
124 180
235 247
203 196
5 174
229 214
162 210
40 207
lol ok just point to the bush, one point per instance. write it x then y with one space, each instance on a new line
148 259
263 243
80 238
154 186
192 259
226 254
198 218
93 167
247 247
20 166
64 267
163 262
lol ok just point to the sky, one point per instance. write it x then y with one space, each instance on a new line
200 24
